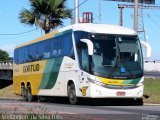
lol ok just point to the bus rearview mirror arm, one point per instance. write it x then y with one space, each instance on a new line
89 44
148 48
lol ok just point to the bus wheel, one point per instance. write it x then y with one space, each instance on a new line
29 93
72 94
23 93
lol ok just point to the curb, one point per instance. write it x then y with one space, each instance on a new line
10 98
150 104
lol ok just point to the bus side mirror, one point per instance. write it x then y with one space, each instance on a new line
89 44
148 48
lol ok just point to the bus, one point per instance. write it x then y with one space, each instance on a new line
81 61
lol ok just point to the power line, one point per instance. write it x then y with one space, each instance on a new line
9 37
153 20
152 27
79 5
20 33
37 28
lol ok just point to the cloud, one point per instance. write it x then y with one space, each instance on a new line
9 48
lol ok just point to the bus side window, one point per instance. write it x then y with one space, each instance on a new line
57 51
36 51
68 46
21 55
47 49
83 55
85 60
16 56
28 51
54 52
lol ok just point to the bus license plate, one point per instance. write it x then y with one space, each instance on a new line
120 93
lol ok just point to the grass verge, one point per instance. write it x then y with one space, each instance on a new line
152 90
8 92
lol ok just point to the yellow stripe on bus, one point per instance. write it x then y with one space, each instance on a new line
110 81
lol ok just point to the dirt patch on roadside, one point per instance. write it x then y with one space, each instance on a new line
7 92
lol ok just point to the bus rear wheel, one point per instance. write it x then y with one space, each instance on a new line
72 94
29 94
23 93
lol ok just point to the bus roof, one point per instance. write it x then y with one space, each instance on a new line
88 27
100 28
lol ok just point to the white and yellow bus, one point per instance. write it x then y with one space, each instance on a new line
81 61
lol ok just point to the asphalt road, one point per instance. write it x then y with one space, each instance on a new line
80 112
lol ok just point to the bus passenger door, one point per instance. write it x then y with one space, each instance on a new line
83 84
85 68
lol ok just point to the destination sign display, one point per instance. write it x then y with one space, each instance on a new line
132 1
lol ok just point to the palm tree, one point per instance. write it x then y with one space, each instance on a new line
48 14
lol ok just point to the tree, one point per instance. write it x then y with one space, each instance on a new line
48 14
4 55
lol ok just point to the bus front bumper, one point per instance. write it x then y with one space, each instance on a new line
102 92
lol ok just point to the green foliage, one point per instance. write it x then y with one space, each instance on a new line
48 14
4 55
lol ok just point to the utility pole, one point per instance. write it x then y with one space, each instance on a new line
121 14
139 29
136 15
76 12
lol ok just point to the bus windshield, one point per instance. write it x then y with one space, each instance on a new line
116 56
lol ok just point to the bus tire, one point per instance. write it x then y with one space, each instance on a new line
29 94
72 94
23 93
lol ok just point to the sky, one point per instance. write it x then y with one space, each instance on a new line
10 23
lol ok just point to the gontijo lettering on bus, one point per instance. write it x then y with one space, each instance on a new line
31 68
